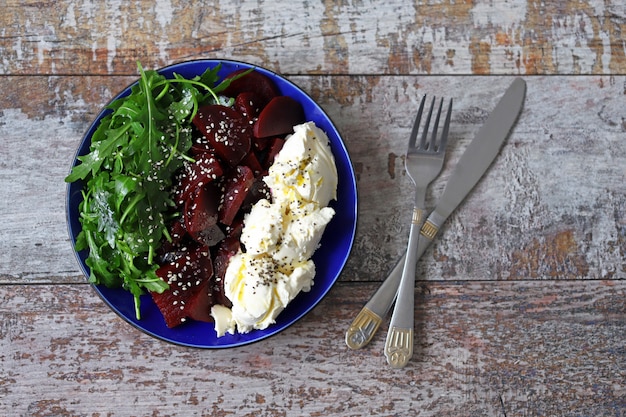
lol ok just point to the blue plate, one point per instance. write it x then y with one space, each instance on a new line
329 259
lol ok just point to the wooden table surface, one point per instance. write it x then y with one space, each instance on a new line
520 303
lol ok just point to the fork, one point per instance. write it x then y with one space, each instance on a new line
368 320
423 163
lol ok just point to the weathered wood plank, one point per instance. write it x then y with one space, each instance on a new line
520 305
364 37
484 348
552 206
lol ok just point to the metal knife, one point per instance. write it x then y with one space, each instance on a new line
474 162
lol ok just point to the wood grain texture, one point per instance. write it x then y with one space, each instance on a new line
549 208
368 36
475 355
520 303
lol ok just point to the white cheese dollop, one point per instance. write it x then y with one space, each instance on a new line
305 168
281 236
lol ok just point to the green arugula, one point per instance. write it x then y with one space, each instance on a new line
128 174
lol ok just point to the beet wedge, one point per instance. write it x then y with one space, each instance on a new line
249 104
253 82
279 117
185 276
205 169
236 188
226 130
201 215
198 307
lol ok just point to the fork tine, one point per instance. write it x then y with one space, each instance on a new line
426 125
433 140
416 124
446 127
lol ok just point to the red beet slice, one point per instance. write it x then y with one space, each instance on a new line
199 305
217 294
258 191
200 145
275 147
279 117
228 132
201 215
233 233
185 276
259 144
170 250
252 162
249 104
204 170
236 187
226 250
177 232
253 82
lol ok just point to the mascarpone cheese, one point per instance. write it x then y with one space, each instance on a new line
280 237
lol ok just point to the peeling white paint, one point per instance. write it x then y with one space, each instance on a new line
598 6
111 51
499 13
94 50
42 47
70 17
115 34
572 36
17 48
606 52
162 47
164 12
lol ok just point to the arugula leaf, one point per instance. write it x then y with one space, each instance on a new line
128 174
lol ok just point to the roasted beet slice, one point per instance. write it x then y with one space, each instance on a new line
252 162
236 186
226 250
200 145
170 250
210 236
249 104
258 191
217 294
233 232
205 169
253 82
274 148
201 215
185 275
260 144
198 307
279 117
227 131
177 231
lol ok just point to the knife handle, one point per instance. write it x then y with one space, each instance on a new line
366 323
431 226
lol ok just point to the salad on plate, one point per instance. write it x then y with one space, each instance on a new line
208 193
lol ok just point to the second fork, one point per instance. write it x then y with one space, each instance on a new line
424 161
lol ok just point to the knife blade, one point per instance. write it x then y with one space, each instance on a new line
477 157
472 165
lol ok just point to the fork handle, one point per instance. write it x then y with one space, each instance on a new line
399 342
